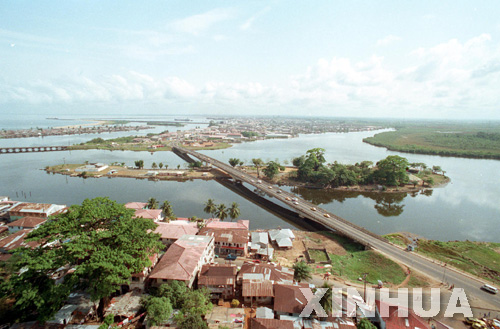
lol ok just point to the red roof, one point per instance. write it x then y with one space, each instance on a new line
271 324
393 321
217 223
16 240
180 260
257 288
270 271
289 298
218 274
135 205
175 230
27 222
239 236
148 213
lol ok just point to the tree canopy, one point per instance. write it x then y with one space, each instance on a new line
99 239
272 169
302 271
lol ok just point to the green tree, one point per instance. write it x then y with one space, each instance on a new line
234 162
429 181
210 207
190 321
197 302
139 164
364 323
272 169
221 211
234 211
152 203
437 169
299 161
160 165
316 157
302 271
159 309
257 162
414 182
99 239
154 165
168 211
109 320
392 170
175 291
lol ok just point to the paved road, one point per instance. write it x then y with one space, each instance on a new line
434 270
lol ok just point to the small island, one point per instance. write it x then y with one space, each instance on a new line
392 174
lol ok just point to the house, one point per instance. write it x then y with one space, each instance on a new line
92 167
386 316
259 240
138 280
16 240
220 279
136 205
255 289
125 306
170 232
264 313
272 272
154 214
282 237
42 210
289 299
270 324
27 222
183 260
228 241
241 224
225 317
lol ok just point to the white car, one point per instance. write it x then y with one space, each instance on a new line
259 181
278 191
295 203
270 187
295 199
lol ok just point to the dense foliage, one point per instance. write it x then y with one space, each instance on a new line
99 240
390 171
471 141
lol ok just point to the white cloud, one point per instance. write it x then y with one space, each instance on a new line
197 24
388 40
249 22
458 79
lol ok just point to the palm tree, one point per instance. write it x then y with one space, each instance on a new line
302 271
160 165
221 211
210 207
326 300
166 207
234 211
154 165
152 203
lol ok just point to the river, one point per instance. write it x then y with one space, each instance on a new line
467 208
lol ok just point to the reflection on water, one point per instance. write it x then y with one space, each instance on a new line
386 204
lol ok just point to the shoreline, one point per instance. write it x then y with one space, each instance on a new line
91 123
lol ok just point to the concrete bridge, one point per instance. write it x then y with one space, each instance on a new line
29 149
432 268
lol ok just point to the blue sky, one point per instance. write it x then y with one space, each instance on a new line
419 59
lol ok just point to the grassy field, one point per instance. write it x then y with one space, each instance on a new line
478 258
357 261
318 255
474 141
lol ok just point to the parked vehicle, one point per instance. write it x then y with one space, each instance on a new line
231 257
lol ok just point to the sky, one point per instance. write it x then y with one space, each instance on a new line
383 59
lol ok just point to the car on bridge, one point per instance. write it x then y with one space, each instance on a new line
313 209
295 202
288 198
326 215
278 191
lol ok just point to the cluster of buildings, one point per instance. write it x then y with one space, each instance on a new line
195 253
72 130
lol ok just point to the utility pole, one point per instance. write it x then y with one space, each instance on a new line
364 289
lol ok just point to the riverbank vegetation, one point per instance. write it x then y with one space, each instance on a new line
393 171
472 141
478 258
